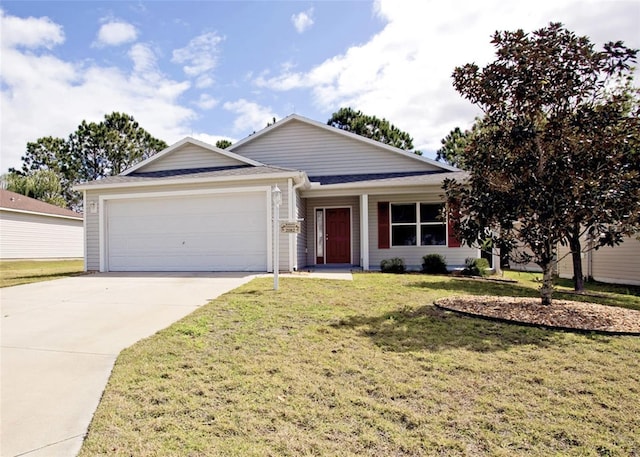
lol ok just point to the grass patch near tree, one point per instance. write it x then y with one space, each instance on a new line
368 368
15 272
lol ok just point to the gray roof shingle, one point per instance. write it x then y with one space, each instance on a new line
191 173
399 178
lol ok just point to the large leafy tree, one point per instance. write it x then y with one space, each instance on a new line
93 151
454 145
42 185
371 127
557 155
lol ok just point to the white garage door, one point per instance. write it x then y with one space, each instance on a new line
215 232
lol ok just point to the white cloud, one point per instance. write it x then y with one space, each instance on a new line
30 33
199 57
403 73
303 20
204 81
211 139
251 116
115 33
144 59
42 94
206 102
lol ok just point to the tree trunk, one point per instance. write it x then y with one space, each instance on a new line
546 291
576 256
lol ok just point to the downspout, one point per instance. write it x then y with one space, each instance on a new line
590 258
84 227
293 211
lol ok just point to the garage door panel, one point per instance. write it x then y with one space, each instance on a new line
186 246
196 263
195 233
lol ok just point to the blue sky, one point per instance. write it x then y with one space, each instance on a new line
213 69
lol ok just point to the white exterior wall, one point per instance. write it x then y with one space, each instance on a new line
619 265
321 153
529 266
33 236
92 234
564 266
412 255
616 265
189 156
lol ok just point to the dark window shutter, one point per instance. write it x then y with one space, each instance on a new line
383 225
453 241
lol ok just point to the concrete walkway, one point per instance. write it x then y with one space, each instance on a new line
61 338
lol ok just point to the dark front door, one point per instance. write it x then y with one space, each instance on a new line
338 237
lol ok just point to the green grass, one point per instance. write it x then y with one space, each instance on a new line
369 368
15 272
606 294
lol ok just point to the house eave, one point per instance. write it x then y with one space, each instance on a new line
168 150
335 190
36 213
298 176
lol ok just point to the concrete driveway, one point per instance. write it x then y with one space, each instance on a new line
61 338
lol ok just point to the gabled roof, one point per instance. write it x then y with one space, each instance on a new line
337 131
188 140
12 201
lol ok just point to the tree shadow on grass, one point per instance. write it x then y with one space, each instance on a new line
479 287
613 295
429 328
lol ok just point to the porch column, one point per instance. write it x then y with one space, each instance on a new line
364 231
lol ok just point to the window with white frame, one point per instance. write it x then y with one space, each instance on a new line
418 224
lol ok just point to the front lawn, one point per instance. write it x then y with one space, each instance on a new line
369 367
15 272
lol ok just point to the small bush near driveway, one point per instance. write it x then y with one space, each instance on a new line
434 264
394 265
476 267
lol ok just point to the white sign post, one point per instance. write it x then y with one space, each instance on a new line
276 197
290 227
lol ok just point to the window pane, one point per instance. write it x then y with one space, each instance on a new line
431 235
403 235
319 233
403 213
431 212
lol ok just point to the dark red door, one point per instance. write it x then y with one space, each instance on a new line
338 238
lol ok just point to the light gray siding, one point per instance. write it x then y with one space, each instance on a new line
529 266
412 255
304 233
333 202
616 265
188 157
92 235
620 264
33 236
319 152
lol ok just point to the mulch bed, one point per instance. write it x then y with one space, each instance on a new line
562 314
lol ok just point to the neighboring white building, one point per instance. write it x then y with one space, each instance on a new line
32 229
617 265
195 207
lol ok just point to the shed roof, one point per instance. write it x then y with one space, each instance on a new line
18 202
